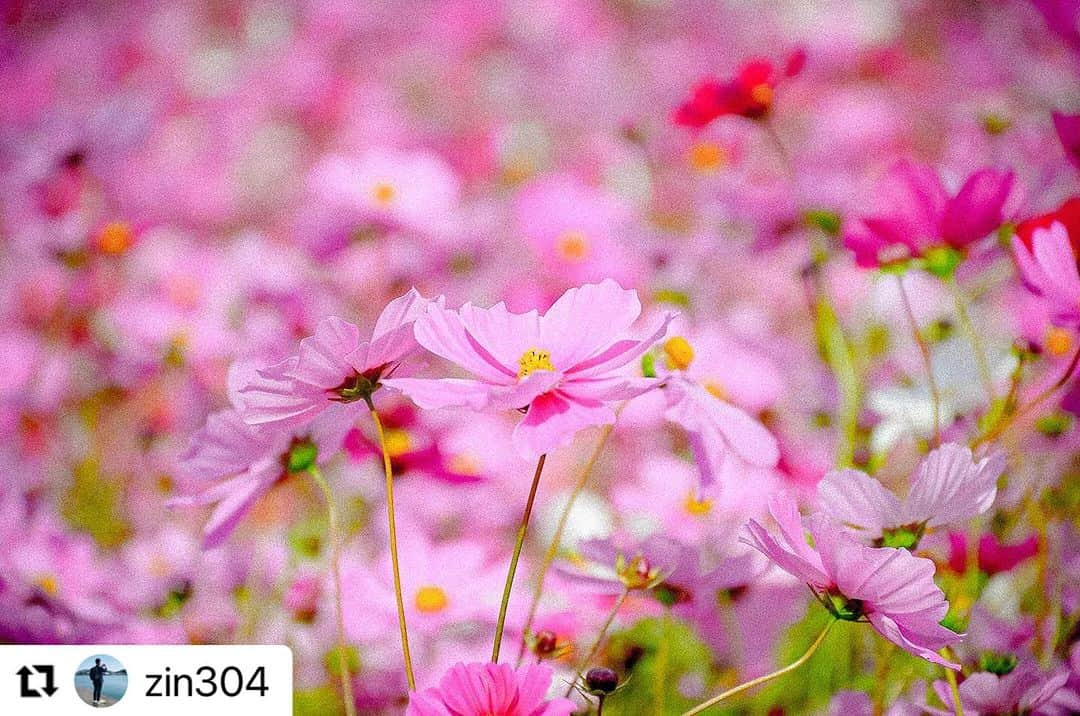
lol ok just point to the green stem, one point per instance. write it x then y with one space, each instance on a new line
954 688
599 639
924 349
522 529
973 336
560 529
395 563
762 679
335 568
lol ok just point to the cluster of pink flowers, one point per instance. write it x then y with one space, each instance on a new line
776 305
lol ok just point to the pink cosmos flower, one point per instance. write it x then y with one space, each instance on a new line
1049 271
706 399
949 486
1022 691
334 366
994 556
235 464
563 368
490 690
918 214
890 588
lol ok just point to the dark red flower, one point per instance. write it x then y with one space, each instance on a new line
1068 214
748 94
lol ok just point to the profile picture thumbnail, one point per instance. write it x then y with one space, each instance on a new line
101 680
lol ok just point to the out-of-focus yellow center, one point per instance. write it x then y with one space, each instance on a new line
679 353
533 360
716 389
116 237
762 93
708 157
431 599
572 246
383 193
1059 341
697 507
464 464
48 584
397 442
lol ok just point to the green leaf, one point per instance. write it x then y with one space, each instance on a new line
92 504
320 701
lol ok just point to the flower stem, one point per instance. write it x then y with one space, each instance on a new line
599 639
767 677
402 627
954 688
924 349
522 529
560 529
335 570
973 336
1002 425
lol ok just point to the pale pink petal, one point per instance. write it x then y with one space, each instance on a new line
1031 273
587 319
553 420
1054 254
226 445
443 333
857 500
521 394
927 649
393 337
949 486
609 388
271 395
434 394
321 360
622 351
504 335
759 538
232 509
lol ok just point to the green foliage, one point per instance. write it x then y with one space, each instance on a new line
306 538
320 701
657 653
93 504
828 221
674 297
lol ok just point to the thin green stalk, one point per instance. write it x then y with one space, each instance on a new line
394 562
599 639
560 529
924 349
705 706
977 346
522 529
954 688
335 568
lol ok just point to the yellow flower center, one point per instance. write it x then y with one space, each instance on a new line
762 93
679 352
397 443
708 157
694 506
533 360
431 599
383 193
1059 341
572 246
115 238
716 389
48 584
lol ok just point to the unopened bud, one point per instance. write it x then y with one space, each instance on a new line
601 680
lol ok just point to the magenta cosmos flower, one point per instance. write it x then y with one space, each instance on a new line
918 214
490 690
562 368
949 486
890 588
334 366
1048 269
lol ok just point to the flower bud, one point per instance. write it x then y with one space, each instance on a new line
601 680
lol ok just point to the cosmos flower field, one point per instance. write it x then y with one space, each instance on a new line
514 358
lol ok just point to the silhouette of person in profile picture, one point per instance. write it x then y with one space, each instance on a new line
97 677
